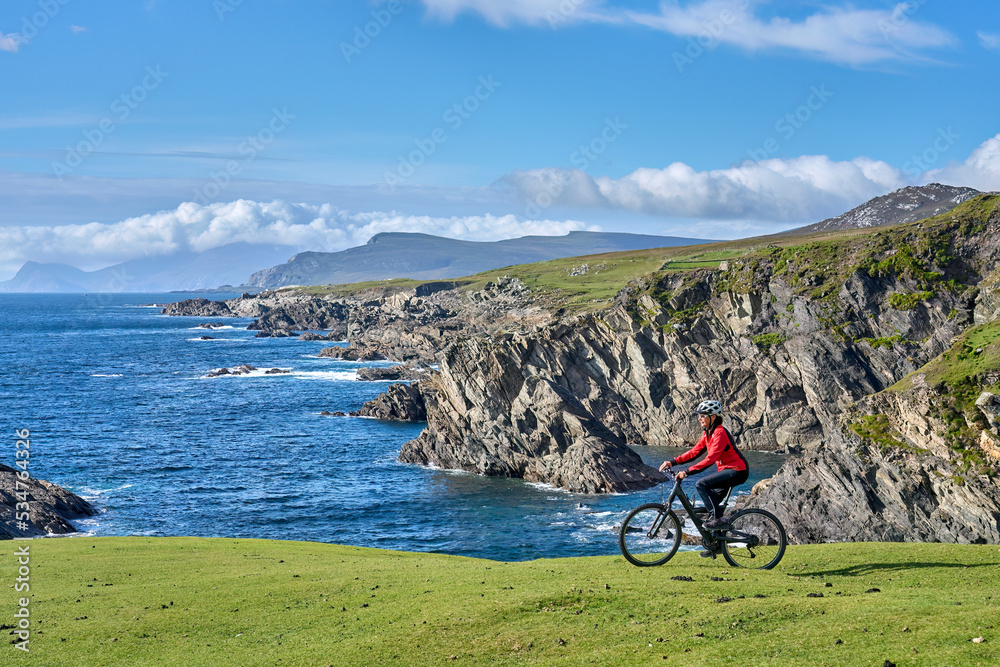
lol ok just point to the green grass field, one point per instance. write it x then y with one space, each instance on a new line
194 601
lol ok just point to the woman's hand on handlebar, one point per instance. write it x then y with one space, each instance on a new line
666 465
681 475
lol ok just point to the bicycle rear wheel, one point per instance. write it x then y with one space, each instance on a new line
650 535
754 539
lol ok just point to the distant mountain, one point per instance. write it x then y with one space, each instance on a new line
907 204
227 265
426 257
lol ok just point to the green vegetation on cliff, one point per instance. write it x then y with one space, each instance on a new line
909 301
815 264
877 430
194 601
958 377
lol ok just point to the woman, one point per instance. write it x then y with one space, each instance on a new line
732 468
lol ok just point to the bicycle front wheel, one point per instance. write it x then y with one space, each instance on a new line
650 535
755 539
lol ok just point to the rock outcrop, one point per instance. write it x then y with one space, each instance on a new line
245 369
354 352
400 402
400 324
789 341
802 343
199 308
524 427
399 372
846 491
50 507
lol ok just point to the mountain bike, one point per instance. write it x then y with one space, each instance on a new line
651 533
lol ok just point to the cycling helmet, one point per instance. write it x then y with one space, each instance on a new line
709 408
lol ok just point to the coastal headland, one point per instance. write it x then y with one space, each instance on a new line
870 356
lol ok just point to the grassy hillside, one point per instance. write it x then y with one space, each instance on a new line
191 601
816 264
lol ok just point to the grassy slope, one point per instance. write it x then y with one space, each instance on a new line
821 260
194 601
962 360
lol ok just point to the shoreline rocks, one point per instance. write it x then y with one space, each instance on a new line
354 352
245 369
400 372
399 402
50 507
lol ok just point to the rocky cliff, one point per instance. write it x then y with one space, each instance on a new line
50 508
401 323
807 344
797 341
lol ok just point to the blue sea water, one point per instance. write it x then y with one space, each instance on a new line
121 413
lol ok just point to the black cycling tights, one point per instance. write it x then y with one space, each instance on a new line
712 488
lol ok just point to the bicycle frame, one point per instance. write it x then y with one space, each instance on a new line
678 493
737 540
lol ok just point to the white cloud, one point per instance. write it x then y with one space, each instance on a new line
194 227
10 43
77 29
799 190
843 35
839 34
989 41
504 12
981 170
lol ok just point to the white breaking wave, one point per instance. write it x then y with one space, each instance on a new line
91 494
106 375
225 326
327 375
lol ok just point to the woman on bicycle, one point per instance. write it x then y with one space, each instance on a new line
732 468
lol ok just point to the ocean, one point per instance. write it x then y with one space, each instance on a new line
120 411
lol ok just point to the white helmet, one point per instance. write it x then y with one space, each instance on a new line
709 408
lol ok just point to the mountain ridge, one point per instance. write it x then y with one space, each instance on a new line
908 204
420 256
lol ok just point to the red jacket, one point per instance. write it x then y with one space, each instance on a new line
721 451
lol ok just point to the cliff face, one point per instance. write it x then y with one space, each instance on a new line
489 413
819 348
797 342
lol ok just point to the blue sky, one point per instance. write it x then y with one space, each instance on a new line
166 125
